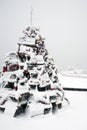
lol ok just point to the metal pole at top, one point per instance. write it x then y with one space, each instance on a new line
31 13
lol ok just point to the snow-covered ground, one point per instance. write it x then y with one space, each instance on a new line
73 82
73 117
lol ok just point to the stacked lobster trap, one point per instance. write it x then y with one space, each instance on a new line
29 81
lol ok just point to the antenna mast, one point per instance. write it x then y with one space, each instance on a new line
31 13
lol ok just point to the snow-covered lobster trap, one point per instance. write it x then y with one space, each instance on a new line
29 81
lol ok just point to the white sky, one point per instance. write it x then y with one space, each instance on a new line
63 23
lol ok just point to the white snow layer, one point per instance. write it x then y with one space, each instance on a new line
73 117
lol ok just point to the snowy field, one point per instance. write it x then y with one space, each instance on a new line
73 82
73 117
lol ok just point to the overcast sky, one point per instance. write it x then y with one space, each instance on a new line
63 23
